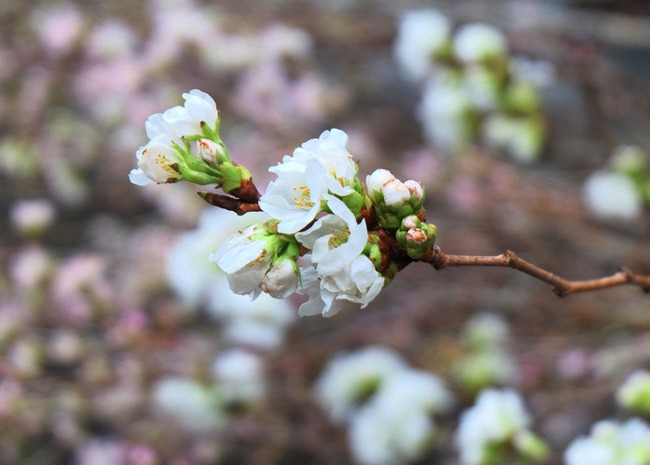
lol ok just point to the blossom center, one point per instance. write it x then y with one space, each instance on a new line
338 237
302 197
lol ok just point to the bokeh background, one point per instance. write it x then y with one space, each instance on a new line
93 318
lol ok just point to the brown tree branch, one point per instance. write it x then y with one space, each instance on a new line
439 260
230 203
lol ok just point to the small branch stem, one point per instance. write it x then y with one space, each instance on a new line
230 203
439 260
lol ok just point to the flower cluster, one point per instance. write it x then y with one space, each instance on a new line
169 157
487 360
386 405
472 90
496 430
327 236
620 190
610 443
201 408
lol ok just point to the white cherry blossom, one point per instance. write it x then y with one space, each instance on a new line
318 168
245 259
358 282
157 162
334 240
182 121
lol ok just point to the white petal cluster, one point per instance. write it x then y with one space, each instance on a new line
336 271
611 195
612 443
444 112
477 41
199 111
387 406
193 406
357 282
350 378
239 376
496 418
245 259
467 81
488 360
320 167
158 160
421 35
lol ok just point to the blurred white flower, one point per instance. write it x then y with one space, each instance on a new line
278 41
317 168
485 330
421 36
610 195
634 393
485 367
196 408
177 24
110 39
446 114
32 217
483 87
612 443
350 379
239 376
522 138
260 324
418 390
100 452
379 438
199 282
58 26
495 419
478 42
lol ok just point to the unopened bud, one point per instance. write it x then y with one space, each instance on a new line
281 280
211 152
376 181
416 235
410 222
416 190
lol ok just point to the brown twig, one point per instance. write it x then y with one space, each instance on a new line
230 203
439 260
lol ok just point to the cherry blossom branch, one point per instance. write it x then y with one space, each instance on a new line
439 260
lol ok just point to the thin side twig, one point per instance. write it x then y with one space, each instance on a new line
439 260
230 203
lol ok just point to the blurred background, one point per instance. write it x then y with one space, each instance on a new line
120 343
